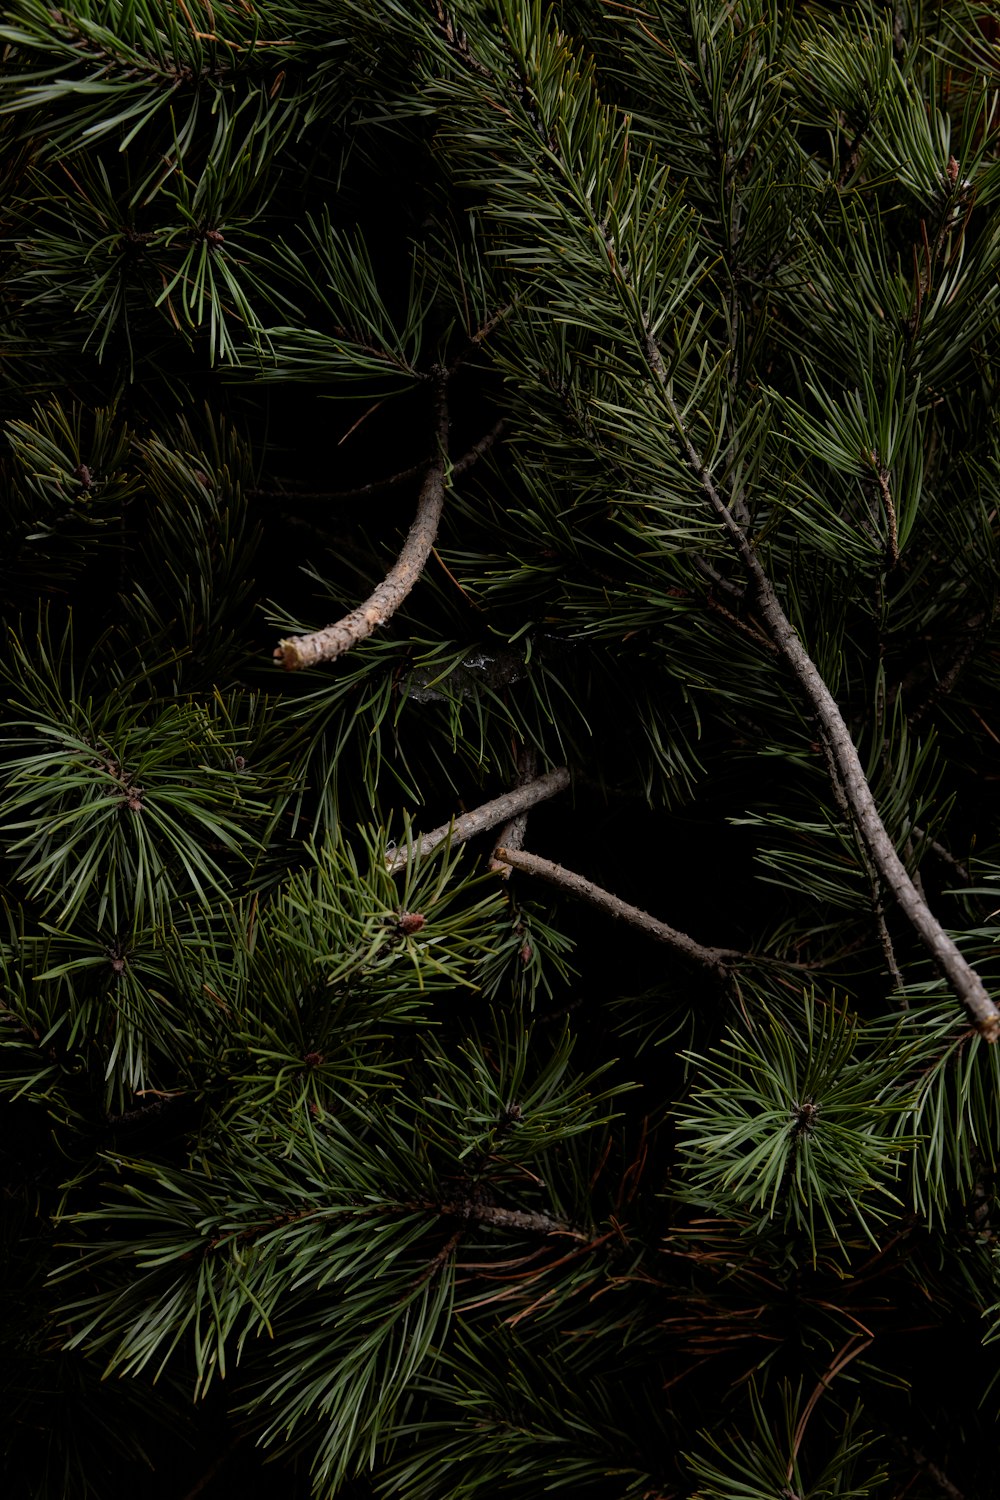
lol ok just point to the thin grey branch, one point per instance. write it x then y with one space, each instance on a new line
490 815
513 831
719 960
298 651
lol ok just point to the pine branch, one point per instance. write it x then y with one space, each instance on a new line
490 815
963 979
299 651
719 960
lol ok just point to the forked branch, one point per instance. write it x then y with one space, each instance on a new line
513 832
489 815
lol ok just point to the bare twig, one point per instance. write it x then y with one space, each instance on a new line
853 152
752 632
888 951
872 833
475 340
473 454
961 869
490 815
298 651
512 833
144 1112
705 568
719 960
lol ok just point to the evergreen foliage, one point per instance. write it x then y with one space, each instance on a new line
380 1158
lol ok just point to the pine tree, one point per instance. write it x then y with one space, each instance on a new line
536 1032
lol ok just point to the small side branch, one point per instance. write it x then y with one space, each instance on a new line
490 815
298 651
213 1469
961 870
719 960
473 454
513 831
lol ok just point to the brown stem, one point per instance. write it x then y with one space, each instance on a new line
480 336
490 815
885 493
962 978
719 960
889 952
706 569
495 1217
755 635
840 1361
298 651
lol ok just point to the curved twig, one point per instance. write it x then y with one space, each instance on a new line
719 960
298 651
490 815
840 1361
